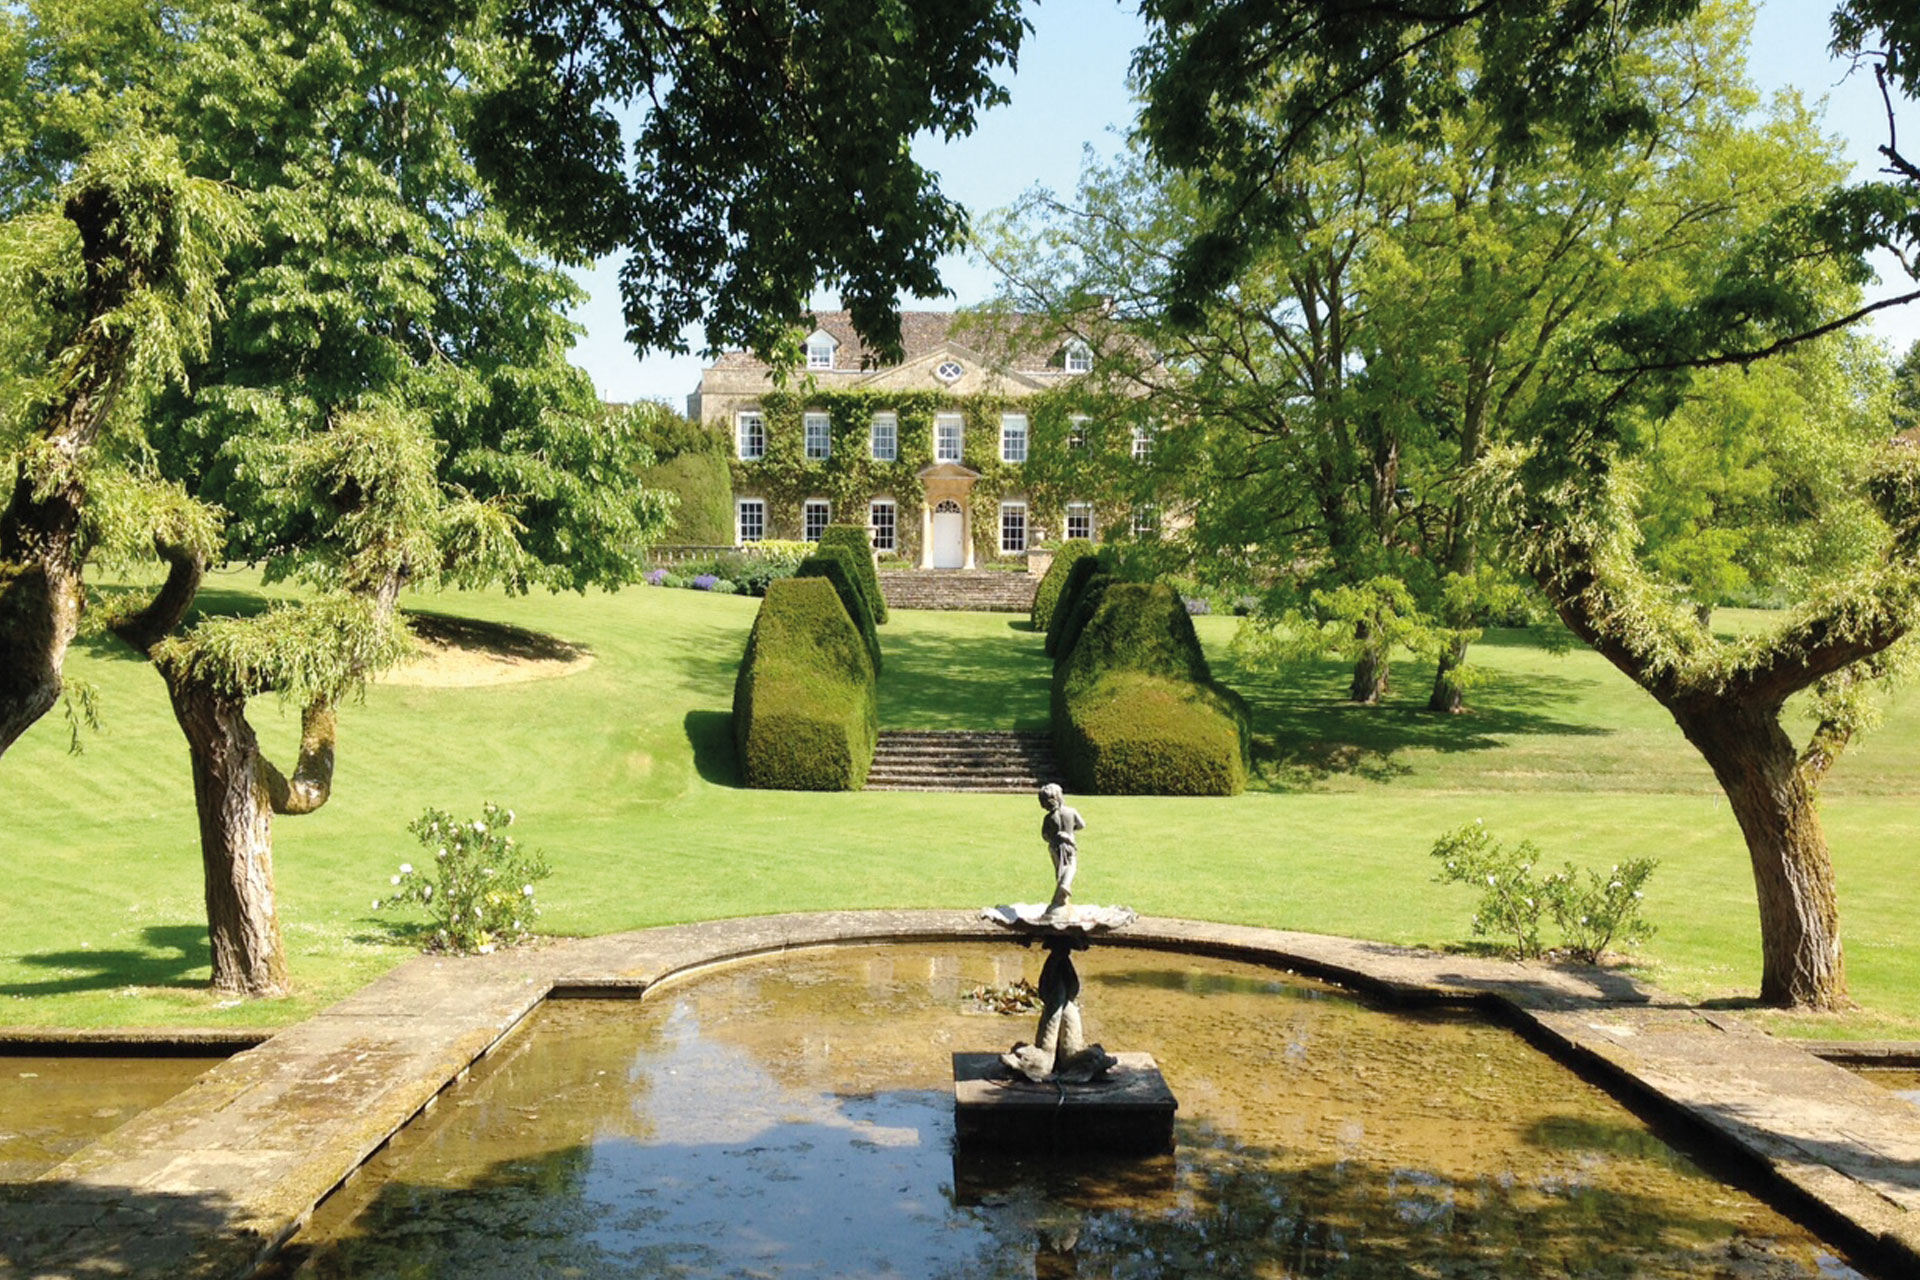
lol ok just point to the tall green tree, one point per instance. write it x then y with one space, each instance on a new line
1548 65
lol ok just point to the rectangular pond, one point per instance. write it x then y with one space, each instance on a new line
793 1116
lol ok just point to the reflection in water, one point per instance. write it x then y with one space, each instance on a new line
52 1107
795 1118
1903 1082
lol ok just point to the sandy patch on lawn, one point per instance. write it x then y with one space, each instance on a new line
462 653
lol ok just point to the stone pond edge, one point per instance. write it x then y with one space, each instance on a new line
1833 1148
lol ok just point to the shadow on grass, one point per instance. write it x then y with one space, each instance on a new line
176 955
942 680
710 734
1305 732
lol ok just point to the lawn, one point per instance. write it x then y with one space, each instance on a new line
622 773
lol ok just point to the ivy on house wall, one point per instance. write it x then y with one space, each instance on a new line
1099 471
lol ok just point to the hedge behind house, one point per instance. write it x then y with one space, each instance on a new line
831 563
702 484
1047 594
805 710
859 545
1136 710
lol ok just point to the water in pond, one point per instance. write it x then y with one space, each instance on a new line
793 1117
1903 1081
51 1107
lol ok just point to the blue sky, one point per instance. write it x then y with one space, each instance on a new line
1070 93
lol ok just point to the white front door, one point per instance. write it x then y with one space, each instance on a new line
949 536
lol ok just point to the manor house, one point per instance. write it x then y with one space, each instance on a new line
951 459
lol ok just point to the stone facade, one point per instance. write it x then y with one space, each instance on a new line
953 459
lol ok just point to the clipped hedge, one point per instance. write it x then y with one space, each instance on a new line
1136 710
1078 612
702 483
859 545
831 563
1047 594
1079 573
805 705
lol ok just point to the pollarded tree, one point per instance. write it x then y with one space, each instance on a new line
387 401
1553 64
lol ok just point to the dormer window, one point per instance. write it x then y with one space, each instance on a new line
950 371
1079 357
820 349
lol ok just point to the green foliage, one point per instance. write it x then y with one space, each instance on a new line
1511 902
1135 708
1591 910
1080 575
805 714
479 887
702 487
858 545
831 563
322 648
1594 910
1053 582
799 117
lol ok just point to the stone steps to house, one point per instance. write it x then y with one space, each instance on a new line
982 590
971 760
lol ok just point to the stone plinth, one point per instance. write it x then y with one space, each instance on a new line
1129 1110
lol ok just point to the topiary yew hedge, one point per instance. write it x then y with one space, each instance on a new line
855 541
805 706
1047 594
1079 574
1136 710
831 563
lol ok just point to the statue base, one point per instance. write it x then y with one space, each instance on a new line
1130 1109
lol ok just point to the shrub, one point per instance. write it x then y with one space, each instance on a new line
655 577
1592 911
1130 733
859 546
480 890
1136 710
1511 903
672 580
805 714
832 565
1047 595
702 485
1604 909
1079 574
704 582
859 566
1197 606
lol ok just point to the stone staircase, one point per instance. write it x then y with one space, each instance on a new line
983 590
929 760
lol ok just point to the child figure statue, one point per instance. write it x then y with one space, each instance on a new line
1058 827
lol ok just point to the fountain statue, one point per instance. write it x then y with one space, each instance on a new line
1119 1100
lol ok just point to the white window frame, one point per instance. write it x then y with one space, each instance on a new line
1084 512
740 506
891 526
1013 432
950 371
1013 511
886 426
1077 431
1078 357
1143 444
959 425
750 429
820 350
813 421
1146 521
808 509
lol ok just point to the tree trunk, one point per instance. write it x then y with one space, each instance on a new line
41 550
1772 797
1449 695
1370 670
232 792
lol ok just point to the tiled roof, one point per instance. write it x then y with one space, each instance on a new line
920 332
